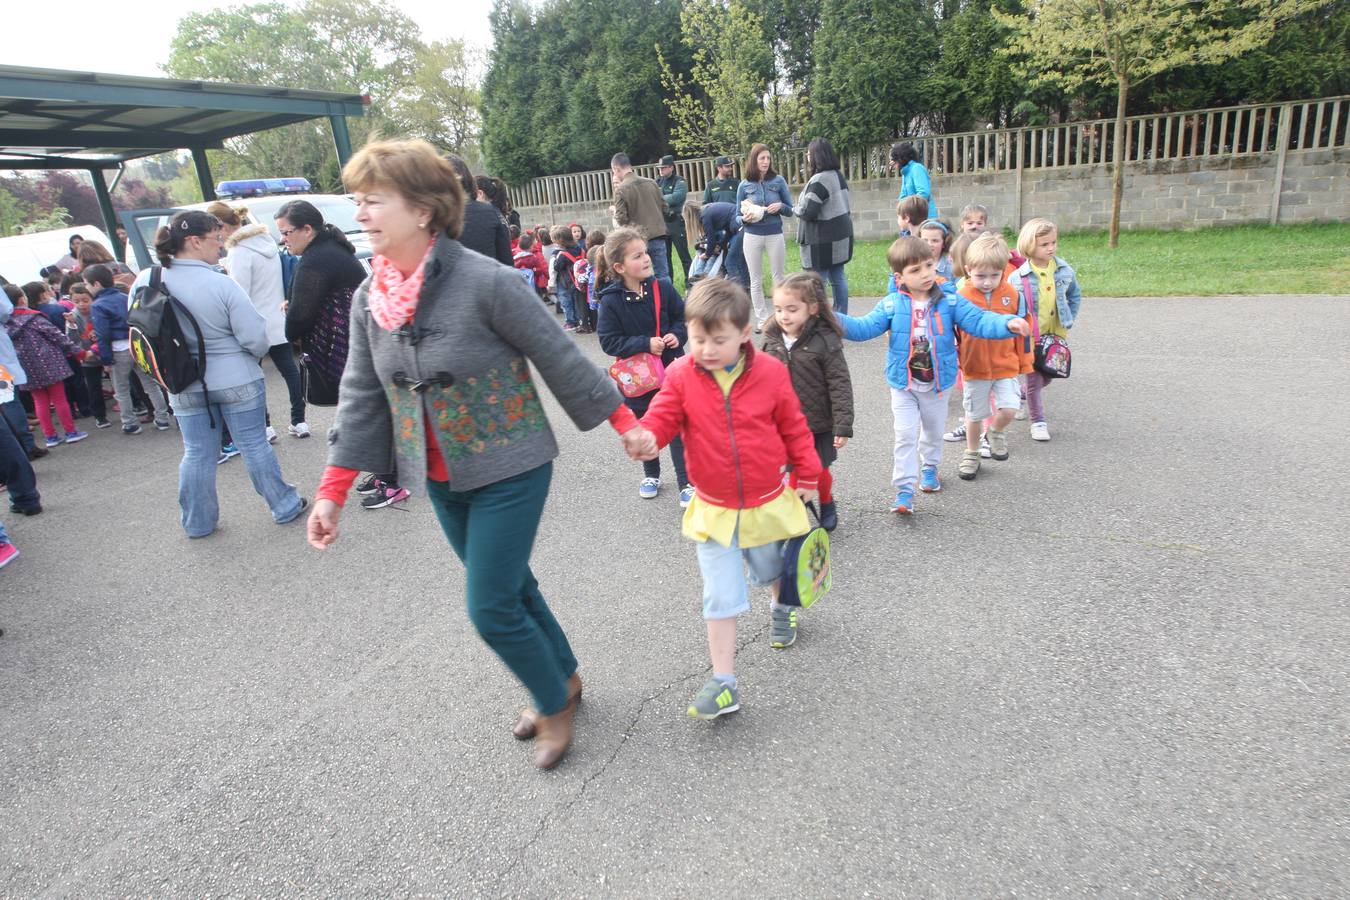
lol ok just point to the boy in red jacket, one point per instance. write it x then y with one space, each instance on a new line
741 423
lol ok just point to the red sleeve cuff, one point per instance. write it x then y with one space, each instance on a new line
335 484
623 419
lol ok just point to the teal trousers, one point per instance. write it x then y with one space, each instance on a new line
492 531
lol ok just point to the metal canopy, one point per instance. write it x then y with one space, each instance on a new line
52 118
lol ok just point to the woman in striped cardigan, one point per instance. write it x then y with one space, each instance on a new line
825 223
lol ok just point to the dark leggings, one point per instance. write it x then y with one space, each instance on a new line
93 383
283 357
651 468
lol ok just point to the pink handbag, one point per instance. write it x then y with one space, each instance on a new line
641 373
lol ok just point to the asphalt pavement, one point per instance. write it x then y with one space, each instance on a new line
1114 665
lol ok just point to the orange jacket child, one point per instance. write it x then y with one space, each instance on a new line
986 359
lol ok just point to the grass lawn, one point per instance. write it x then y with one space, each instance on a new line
1247 259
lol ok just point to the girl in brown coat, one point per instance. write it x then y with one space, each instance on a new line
804 334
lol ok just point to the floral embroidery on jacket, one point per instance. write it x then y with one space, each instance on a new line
491 409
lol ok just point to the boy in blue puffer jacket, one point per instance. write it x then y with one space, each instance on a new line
921 363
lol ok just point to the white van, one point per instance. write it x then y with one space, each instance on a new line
24 256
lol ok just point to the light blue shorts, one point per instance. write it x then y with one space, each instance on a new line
725 594
975 399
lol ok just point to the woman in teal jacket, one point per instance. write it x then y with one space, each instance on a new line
913 176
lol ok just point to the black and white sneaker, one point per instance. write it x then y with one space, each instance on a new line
369 485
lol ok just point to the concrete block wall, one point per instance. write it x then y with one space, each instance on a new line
1169 194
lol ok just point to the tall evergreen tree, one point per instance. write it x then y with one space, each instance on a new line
872 58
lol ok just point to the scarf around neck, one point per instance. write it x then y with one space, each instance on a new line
392 298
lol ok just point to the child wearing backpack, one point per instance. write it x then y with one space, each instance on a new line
595 242
526 259
564 278
43 350
743 423
921 362
114 349
1050 286
805 335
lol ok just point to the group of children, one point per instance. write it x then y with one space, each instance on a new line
557 264
742 417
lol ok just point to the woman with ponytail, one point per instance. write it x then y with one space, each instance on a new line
321 295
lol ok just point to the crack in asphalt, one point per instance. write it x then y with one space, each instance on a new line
560 811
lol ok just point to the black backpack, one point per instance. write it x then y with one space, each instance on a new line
159 345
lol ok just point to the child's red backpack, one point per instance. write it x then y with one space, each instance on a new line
579 262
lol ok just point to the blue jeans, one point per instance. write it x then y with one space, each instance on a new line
243 409
735 261
567 296
834 277
660 257
15 469
17 418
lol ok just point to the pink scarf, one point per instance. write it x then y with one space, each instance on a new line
392 298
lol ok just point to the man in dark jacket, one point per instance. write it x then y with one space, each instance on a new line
723 188
674 191
638 204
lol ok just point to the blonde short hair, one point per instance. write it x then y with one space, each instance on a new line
1034 230
975 209
416 171
988 251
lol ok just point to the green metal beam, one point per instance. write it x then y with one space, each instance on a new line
198 95
104 204
204 173
341 139
56 162
130 139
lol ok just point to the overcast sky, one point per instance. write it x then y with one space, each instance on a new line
132 37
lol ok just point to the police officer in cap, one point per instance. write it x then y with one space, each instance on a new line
674 190
723 188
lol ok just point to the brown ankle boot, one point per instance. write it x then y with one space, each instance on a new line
528 724
554 737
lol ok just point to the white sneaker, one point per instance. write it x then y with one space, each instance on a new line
956 434
1040 431
271 435
985 451
298 430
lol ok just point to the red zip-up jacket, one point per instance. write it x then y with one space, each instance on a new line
736 446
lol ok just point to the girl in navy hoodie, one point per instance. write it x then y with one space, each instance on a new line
631 305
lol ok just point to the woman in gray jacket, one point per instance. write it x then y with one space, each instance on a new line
438 382
235 335
825 220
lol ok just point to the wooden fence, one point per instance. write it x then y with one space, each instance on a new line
1233 131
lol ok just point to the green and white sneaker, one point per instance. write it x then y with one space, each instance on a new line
782 626
715 699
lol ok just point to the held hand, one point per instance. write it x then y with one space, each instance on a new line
1019 326
639 443
839 443
773 208
322 527
671 341
808 495
656 345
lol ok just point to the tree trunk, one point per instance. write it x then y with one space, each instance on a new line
1118 161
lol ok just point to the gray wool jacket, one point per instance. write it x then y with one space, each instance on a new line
462 364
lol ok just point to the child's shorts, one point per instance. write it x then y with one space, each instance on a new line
725 594
975 400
